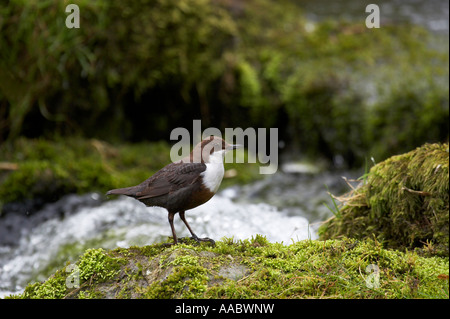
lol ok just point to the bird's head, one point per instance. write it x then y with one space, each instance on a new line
212 148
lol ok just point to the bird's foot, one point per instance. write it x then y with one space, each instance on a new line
167 244
206 239
209 240
198 240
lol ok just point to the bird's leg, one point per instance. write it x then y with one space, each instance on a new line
171 215
194 236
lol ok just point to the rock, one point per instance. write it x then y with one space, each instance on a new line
251 268
403 202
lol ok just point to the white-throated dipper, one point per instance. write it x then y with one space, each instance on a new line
184 184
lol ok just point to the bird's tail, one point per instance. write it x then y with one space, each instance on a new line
129 191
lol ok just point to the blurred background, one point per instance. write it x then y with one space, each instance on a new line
90 109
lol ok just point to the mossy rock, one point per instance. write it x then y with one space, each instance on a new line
403 202
254 268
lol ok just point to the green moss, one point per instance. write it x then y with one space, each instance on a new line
349 89
50 169
88 294
97 265
246 269
184 282
94 266
404 203
53 288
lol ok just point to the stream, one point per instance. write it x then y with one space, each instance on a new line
284 207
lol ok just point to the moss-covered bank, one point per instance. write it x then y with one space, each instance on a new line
137 69
250 269
403 202
48 169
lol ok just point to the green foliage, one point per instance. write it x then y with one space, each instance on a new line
135 70
48 170
404 203
121 49
421 113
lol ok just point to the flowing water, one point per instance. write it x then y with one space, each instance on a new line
283 207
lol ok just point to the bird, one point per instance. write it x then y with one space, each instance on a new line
184 184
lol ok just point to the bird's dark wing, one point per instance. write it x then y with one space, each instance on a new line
170 178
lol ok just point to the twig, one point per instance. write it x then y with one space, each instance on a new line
421 193
9 166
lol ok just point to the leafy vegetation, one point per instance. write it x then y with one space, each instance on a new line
135 70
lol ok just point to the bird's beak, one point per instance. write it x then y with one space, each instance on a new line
233 147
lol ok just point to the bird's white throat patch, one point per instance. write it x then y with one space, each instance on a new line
212 176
